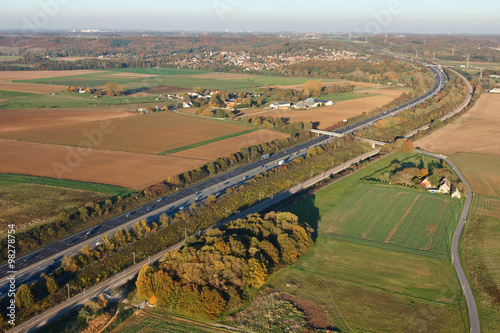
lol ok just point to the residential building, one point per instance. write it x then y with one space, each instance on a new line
445 186
456 194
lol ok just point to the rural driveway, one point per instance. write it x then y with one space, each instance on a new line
469 297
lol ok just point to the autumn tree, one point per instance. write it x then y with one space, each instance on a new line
114 89
23 296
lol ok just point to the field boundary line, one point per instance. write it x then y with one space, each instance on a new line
431 236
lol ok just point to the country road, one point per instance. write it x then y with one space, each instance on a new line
455 258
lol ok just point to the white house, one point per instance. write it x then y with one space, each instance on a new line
445 186
456 194
187 105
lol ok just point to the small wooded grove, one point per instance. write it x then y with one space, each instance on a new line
218 270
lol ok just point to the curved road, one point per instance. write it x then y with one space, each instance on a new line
469 296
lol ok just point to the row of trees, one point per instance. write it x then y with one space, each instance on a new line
225 265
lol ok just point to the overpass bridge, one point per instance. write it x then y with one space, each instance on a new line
373 143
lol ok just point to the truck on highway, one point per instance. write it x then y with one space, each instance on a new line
265 157
281 162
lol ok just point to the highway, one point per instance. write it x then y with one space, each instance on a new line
48 258
119 279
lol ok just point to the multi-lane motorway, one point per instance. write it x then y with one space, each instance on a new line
47 258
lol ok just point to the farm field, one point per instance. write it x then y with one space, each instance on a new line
480 253
380 261
331 115
156 320
124 169
183 78
481 170
211 151
31 87
32 75
12 121
150 133
399 219
477 131
366 289
26 199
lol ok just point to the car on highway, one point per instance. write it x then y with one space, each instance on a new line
90 232
160 199
150 208
71 242
129 214
198 198
182 208
31 256
97 243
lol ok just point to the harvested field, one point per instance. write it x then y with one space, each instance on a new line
31 87
151 133
166 90
223 148
481 170
221 76
12 121
478 131
30 75
331 115
132 170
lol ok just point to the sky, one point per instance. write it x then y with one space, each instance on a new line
359 16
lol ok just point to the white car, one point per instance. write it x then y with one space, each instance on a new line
97 243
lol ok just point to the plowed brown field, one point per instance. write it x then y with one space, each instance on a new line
29 120
34 88
107 167
478 131
31 75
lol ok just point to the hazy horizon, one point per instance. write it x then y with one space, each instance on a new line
362 16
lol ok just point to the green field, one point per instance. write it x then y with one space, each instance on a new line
26 198
171 77
393 218
9 58
156 320
380 262
206 142
71 100
480 255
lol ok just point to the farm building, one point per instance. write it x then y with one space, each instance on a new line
320 101
456 194
279 105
